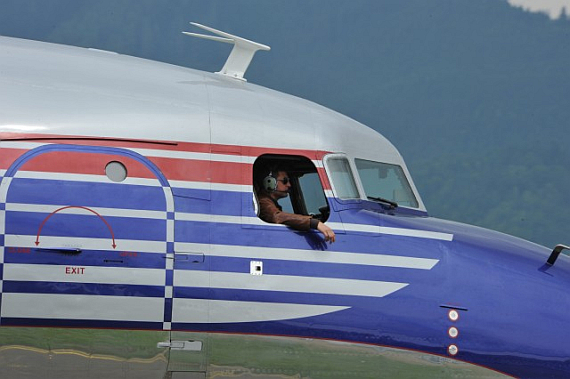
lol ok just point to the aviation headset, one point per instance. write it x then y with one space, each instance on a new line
270 182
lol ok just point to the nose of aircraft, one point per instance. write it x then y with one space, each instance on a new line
517 305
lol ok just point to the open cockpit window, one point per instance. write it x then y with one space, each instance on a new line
382 181
305 195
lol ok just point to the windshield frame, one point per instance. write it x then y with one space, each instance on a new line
402 208
412 201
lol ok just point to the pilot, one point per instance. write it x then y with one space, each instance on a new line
275 187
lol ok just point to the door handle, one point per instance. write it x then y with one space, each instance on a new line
60 250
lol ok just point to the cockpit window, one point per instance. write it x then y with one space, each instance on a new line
306 195
385 181
342 179
313 194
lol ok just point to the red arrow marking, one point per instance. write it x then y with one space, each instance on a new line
75 206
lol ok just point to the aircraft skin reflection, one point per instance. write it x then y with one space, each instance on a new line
161 267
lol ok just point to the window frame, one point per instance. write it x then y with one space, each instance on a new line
405 176
355 179
296 196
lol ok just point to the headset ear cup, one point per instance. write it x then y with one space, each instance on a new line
270 183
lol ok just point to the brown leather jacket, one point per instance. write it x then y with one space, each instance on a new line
271 211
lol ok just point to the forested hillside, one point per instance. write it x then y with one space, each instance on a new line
475 94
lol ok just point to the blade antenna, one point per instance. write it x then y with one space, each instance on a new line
555 253
241 55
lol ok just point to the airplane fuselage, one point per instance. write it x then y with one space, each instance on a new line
131 245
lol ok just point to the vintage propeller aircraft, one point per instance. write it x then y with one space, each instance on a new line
131 245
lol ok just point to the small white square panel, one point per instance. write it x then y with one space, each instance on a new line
256 268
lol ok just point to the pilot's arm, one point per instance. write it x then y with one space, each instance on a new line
270 211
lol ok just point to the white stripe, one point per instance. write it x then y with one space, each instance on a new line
86 243
169 230
205 217
210 186
286 283
233 158
182 184
169 199
82 307
159 153
300 255
200 217
89 274
106 212
20 145
4 185
393 231
170 264
84 178
219 311
2 222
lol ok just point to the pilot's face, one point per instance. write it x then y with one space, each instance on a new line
283 185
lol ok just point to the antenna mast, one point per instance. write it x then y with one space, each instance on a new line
241 55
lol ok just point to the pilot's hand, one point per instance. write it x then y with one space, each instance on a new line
327 232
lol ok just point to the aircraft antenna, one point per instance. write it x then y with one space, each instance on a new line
241 55
555 253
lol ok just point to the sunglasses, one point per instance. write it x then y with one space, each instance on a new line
285 180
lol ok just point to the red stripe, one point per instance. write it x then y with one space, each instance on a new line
324 178
8 156
172 168
73 162
159 145
202 171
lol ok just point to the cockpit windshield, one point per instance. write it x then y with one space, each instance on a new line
385 182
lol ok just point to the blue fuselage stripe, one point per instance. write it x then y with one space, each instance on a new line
110 195
108 258
86 226
70 323
83 288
